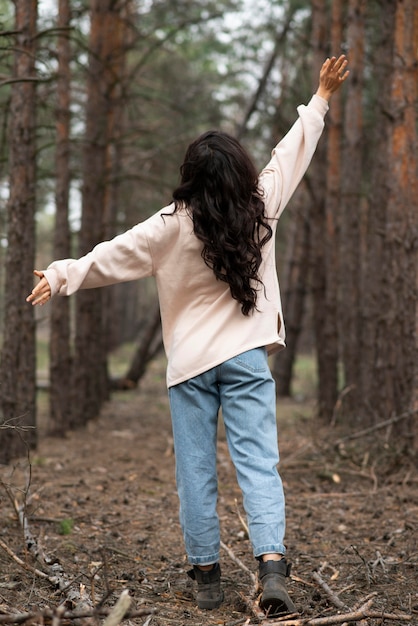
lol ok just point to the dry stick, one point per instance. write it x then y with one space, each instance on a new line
371 429
241 519
55 580
359 614
251 605
333 596
20 618
25 566
355 616
240 564
20 509
363 605
58 613
119 610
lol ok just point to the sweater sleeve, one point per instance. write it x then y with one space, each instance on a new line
292 155
124 258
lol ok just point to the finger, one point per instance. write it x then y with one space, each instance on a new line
39 293
341 62
329 62
38 299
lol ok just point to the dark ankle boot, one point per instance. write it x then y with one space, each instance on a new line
209 593
275 599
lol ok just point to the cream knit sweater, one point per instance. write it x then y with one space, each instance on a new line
202 324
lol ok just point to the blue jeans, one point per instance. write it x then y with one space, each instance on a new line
243 386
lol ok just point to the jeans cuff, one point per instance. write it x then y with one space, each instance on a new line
272 548
203 560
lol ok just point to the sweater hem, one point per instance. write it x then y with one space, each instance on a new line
271 347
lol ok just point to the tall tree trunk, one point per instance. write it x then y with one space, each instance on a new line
412 82
18 358
118 41
396 339
90 370
372 315
351 207
325 352
390 342
294 282
59 345
401 251
329 386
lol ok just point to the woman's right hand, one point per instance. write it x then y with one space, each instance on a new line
42 292
332 75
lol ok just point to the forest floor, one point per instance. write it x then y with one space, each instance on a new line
102 506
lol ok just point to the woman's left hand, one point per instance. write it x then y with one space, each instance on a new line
42 292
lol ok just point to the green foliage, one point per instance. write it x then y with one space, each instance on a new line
305 380
65 527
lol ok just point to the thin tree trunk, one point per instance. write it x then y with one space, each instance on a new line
372 315
294 281
90 371
149 346
253 103
59 345
329 386
18 358
117 42
318 247
351 207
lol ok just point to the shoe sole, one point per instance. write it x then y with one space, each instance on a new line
209 605
273 607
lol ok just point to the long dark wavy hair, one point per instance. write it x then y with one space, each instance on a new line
219 187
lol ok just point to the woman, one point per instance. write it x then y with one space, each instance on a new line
212 253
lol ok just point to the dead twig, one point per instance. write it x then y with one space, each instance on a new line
330 620
251 601
58 613
20 618
240 564
379 426
26 566
330 593
242 520
119 610
358 614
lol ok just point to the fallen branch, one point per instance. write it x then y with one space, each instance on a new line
119 610
240 564
250 602
331 594
25 566
242 520
20 618
378 426
330 620
58 613
31 543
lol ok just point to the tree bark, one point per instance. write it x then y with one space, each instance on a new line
18 357
390 354
351 207
118 42
91 380
294 281
149 345
60 396
325 351
330 338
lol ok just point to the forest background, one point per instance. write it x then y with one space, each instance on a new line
98 103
